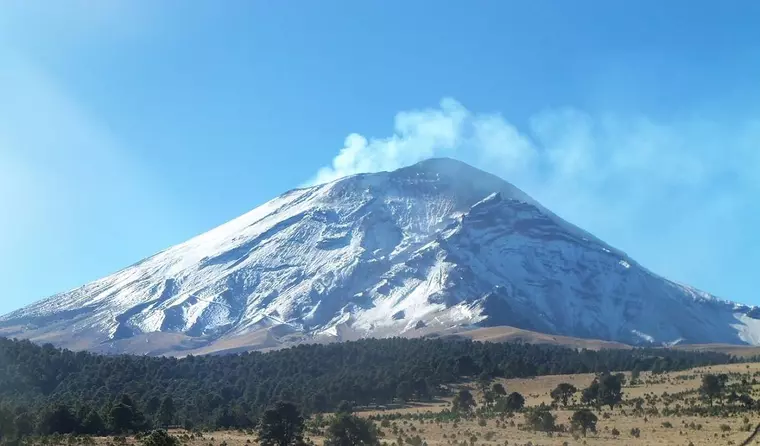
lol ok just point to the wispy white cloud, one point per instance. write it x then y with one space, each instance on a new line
417 135
650 187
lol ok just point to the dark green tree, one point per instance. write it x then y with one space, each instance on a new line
515 401
746 400
58 420
610 389
345 407
350 430
712 387
723 379
404 391
484 382
125 416
151 407
488 398
590 395
540 419
223 418
319 402
93 424
422 390
499 390
282 425
635 374
463 401
121 418
24 424
563 392
584 420
166 412
159 438
6 424
465 366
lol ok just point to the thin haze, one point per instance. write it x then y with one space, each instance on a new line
130 126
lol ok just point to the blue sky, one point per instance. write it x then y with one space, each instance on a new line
127 127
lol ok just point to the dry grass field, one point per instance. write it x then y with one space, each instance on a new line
652 431
614 426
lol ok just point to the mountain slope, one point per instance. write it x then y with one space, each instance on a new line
424 248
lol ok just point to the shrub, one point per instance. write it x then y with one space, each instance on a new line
159 438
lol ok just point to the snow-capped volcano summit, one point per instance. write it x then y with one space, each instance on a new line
424 248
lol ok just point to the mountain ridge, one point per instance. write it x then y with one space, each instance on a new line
438 244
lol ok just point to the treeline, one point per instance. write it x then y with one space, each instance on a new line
47 390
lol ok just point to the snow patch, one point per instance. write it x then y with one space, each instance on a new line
643 336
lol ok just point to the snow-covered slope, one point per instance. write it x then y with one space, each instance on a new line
424 248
